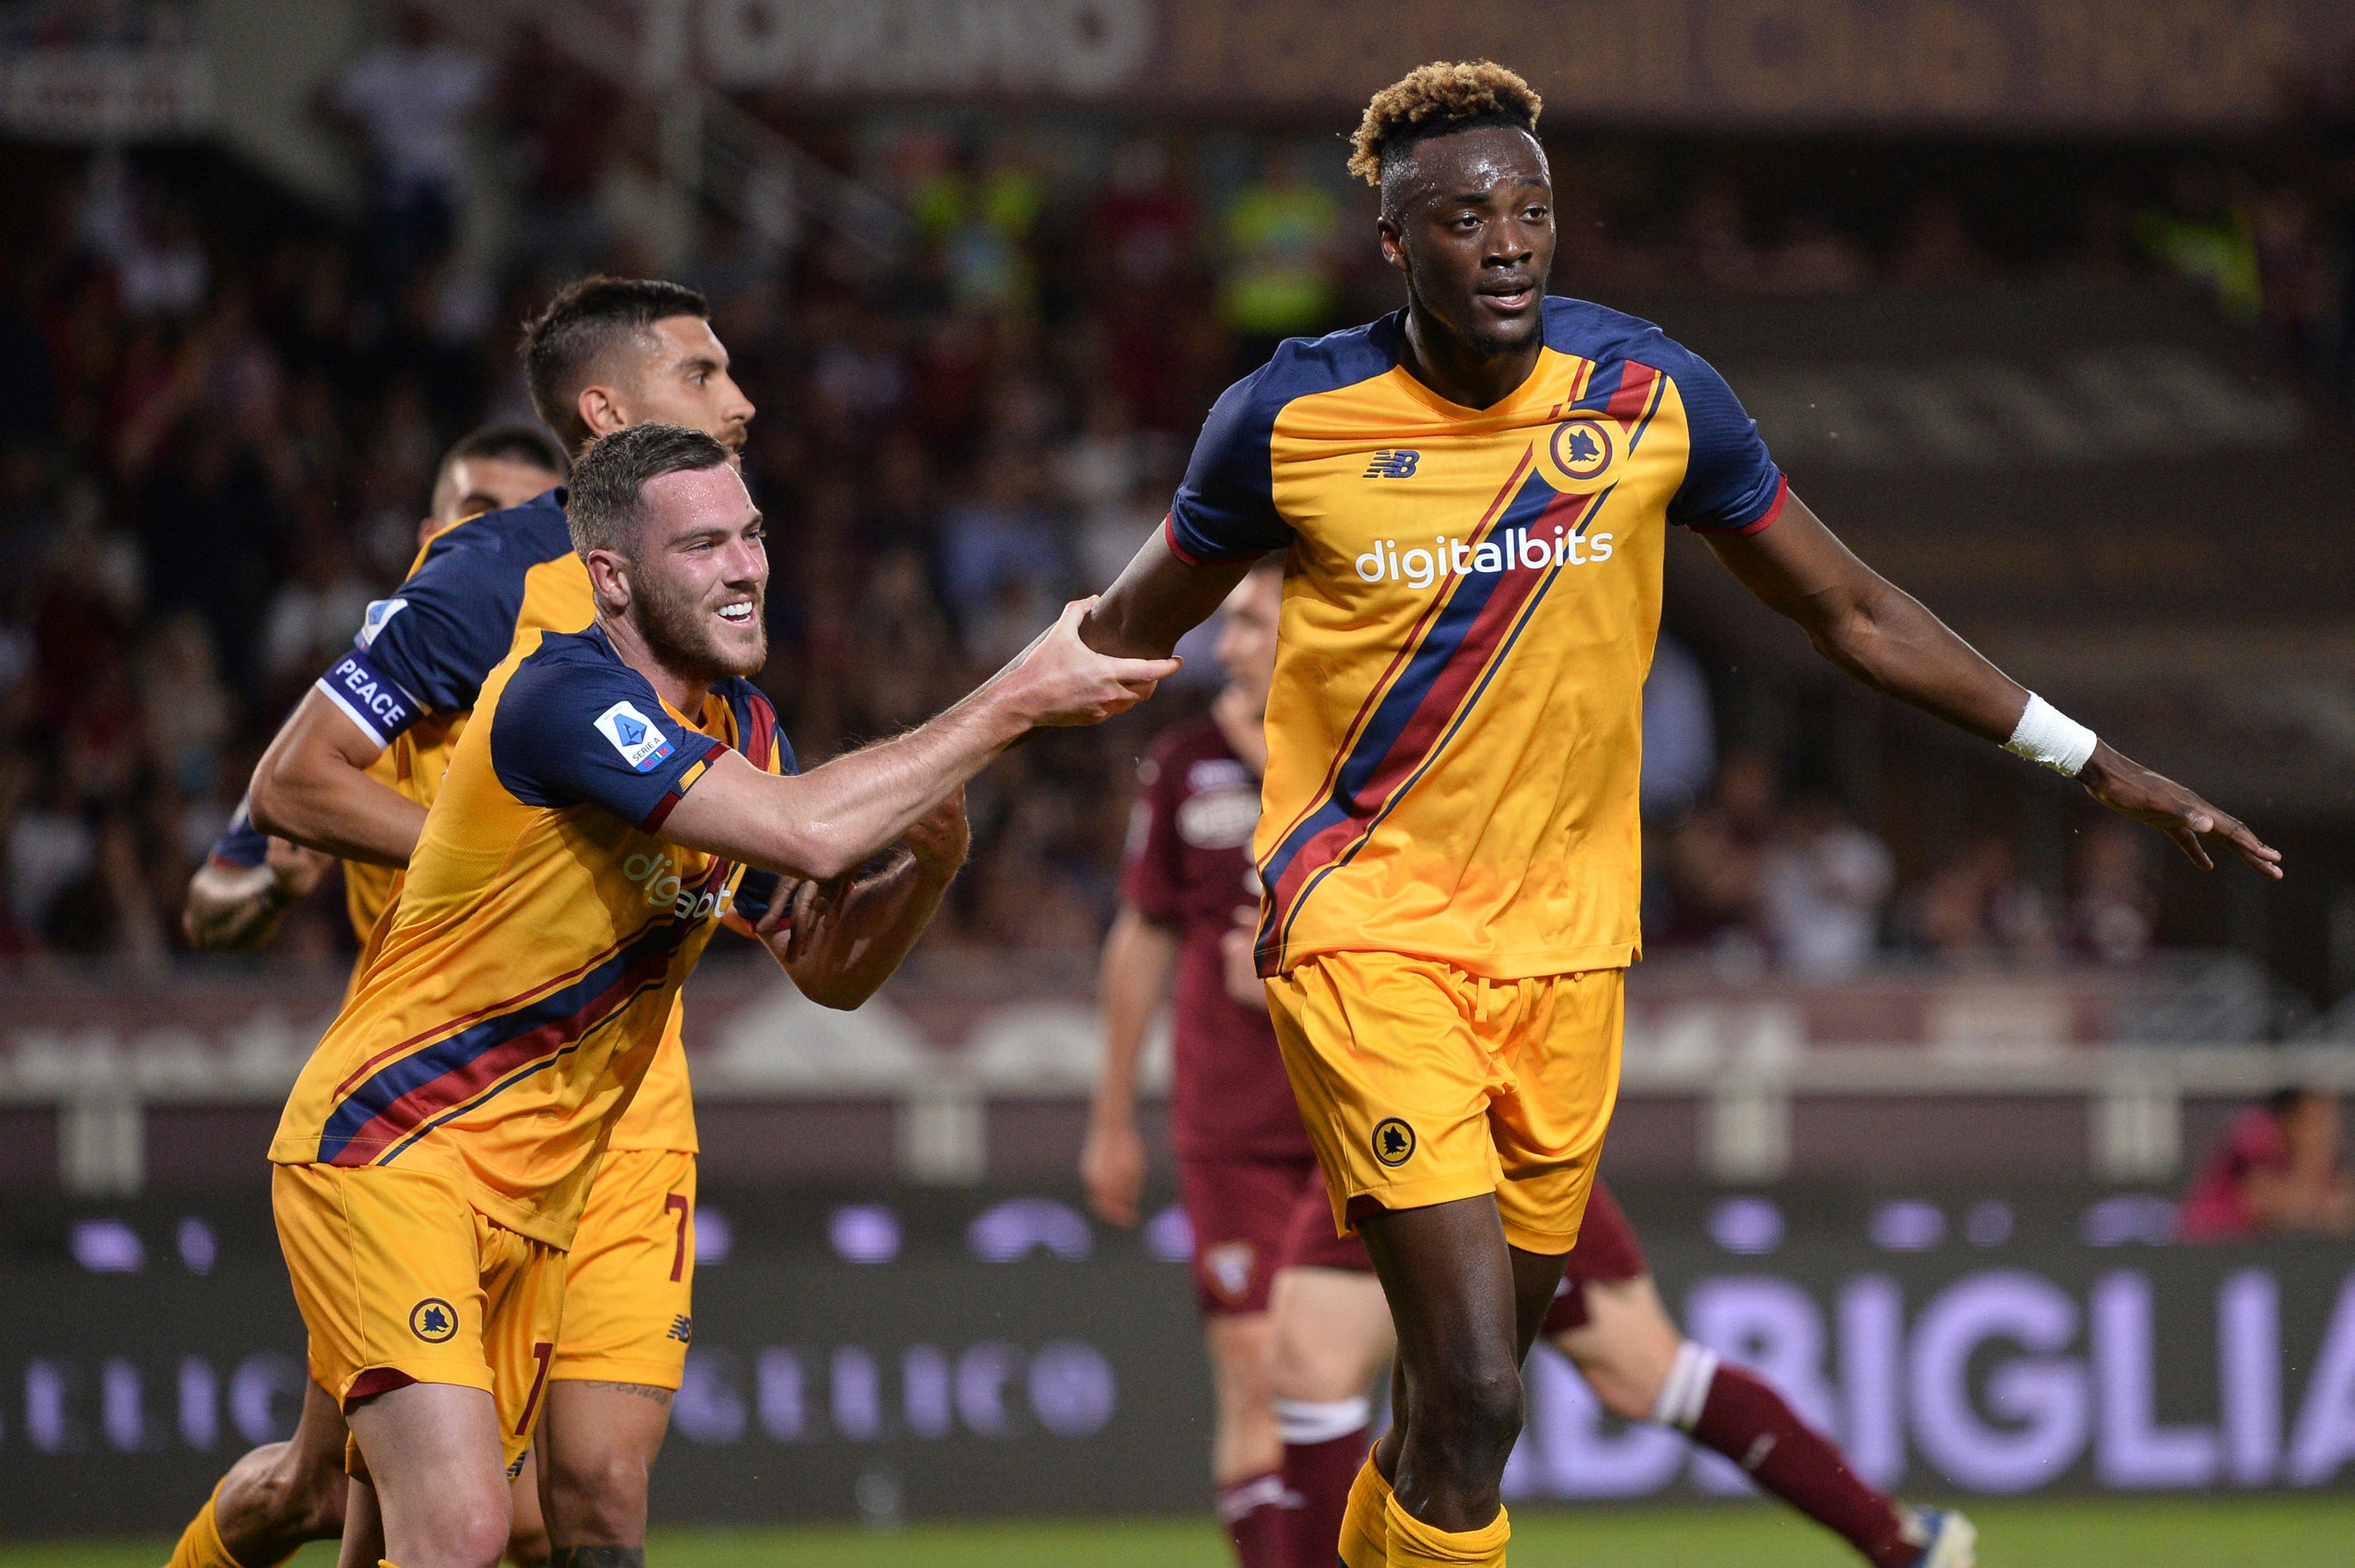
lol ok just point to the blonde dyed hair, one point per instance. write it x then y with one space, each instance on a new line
1446 95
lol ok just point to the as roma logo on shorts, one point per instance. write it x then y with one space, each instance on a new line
1393 1141
433 1321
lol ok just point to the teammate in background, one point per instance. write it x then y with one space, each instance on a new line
250 879
245 887
1473 497
281 1495
359 760
1241 1155
597 819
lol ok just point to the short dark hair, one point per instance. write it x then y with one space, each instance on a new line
524 444
605 504
1432 100
564 344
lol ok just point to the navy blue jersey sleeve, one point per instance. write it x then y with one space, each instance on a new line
241 843
370 698
1730 485
442 632
1225 507
568 732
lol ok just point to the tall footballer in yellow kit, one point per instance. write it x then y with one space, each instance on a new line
1473 497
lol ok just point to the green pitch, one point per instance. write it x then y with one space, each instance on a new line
2303 1532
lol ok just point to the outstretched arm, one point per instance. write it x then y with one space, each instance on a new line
828 822
1158 599
311 786
1886 638
841 940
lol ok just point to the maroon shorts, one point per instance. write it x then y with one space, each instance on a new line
1239 1209
1607 1250
1308 1238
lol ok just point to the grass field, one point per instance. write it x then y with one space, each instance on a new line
2304 1532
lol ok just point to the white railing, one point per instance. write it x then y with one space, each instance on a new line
771 1046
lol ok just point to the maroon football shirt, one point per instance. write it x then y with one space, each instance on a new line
1190 868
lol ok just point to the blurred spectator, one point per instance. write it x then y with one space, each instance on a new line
2203 235
1815 258
561 122
1936 250
1979 907
1713 234
1679 735
1717 861
413 99
2114 910
1004 569
1821 891
1280 277
313 615
2278 1169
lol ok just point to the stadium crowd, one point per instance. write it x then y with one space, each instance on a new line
220 413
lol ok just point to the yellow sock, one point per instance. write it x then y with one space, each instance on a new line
1414 1544
200 1544
1365 1529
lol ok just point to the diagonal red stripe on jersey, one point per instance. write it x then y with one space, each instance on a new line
1379 693
1635 386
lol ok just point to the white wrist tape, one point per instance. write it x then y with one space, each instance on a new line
2047 735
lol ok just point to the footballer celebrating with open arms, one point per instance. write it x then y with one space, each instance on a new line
1473 497
601 812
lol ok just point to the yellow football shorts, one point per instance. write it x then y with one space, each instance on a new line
401 1280
1421 1083
629 1288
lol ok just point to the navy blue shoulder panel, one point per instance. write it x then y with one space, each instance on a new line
1730 484
1226 506
575 725
450 625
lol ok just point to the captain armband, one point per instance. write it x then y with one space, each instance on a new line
2045 734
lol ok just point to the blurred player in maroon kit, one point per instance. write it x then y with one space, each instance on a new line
1294 1320
1242 1155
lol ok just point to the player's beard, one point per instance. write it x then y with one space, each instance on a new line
678 627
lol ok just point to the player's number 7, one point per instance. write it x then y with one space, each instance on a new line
678 1253
540 1352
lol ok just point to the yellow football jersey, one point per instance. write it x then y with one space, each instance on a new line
475 589
531 966
1470 597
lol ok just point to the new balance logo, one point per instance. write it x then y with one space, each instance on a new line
682 1329
1393 464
